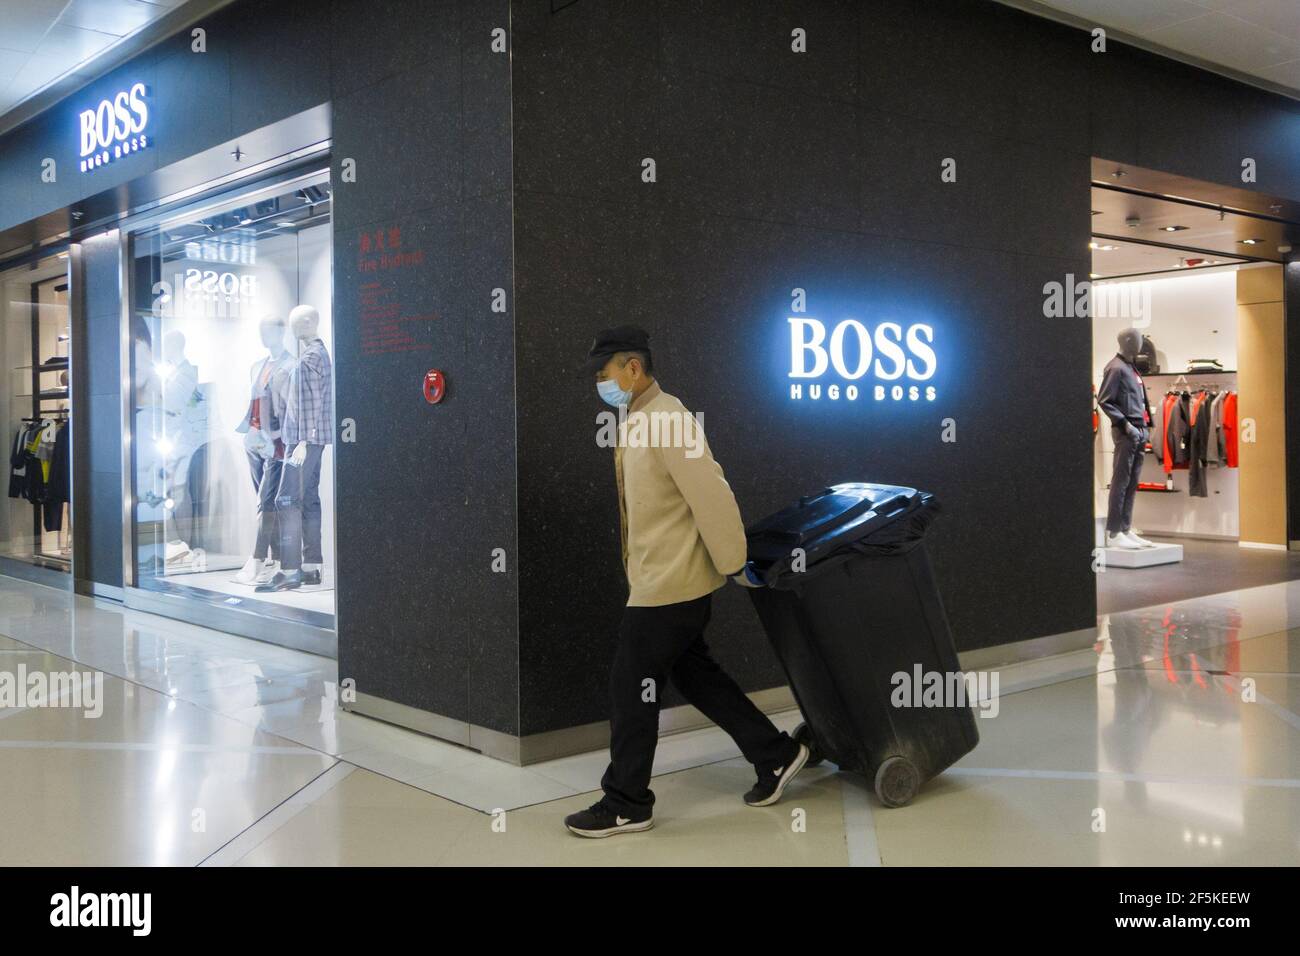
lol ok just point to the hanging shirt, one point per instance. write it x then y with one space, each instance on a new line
1197 485
1230 429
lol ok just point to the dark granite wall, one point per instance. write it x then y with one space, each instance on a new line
427 492
821 171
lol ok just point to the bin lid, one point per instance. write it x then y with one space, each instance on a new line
844 511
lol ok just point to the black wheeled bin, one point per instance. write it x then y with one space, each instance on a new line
849 602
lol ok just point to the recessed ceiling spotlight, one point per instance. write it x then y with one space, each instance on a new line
1172 228
1118 174
1251 242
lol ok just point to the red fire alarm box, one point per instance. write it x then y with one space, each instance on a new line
435 386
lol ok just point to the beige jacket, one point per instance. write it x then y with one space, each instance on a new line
681 526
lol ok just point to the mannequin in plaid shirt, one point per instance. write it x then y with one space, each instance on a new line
308 428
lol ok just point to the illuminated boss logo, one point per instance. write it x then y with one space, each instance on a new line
895 358
114 128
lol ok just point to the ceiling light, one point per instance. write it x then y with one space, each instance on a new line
1093 245
1251 242
1172 228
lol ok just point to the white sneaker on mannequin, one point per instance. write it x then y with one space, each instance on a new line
269 570
1122 540
248 574
1140 540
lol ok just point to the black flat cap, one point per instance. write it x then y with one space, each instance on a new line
624 338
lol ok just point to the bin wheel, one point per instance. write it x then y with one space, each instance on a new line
803 735
896 782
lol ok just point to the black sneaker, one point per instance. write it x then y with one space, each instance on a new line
311 577
772 781
598 820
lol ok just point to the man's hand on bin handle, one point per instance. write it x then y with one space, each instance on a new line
747 578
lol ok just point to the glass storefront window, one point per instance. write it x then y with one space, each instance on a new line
35 525
232 353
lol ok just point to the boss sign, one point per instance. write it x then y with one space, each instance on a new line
898 362
115 127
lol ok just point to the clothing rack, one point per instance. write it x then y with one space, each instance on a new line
1209 377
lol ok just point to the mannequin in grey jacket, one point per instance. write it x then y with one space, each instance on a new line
1123 399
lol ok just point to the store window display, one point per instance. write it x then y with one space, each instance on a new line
234 410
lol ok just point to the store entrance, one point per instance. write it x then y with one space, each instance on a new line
1190 488
35 524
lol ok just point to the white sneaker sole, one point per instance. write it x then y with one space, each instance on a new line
601 834
790 772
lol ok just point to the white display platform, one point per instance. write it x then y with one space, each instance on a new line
1144 558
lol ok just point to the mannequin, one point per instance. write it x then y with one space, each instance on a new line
185 439
307 429
1123 399
268 395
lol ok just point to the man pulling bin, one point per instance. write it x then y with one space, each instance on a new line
682 537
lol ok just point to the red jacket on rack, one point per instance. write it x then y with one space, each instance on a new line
1230 428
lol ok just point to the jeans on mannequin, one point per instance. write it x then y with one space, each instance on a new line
297 509
1127 471
266 482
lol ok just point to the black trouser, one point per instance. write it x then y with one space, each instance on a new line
661 643
1129 453
298 509
266 482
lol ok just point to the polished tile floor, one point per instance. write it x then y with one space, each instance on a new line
1175 739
